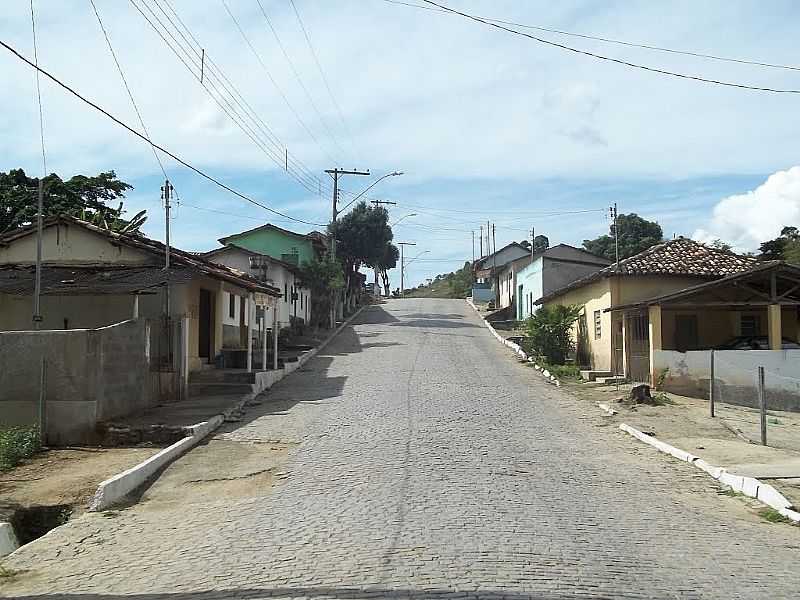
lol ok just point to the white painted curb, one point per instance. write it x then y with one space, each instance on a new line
606 408
514 346
748 486
8 541
113 490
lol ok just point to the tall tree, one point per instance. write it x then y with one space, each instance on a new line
361 239
388 261
80 196
775 249
540 243
635 235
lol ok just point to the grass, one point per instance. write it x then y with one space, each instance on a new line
773 516
561 371
661 399
17 443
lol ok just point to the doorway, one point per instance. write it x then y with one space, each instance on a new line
205 325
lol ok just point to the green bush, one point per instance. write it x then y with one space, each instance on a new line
549 332
17 443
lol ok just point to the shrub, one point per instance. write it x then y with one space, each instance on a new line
17 443
549 332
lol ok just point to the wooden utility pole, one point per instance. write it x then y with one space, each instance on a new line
403 265
335 213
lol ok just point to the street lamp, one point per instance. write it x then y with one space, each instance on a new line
403 266
373 184
403 217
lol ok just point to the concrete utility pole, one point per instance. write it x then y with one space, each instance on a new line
533 239
494 265
402 265
166 194
480 237
335 213
613 211
473 245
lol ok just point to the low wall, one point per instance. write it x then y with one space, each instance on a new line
482 294
735 373
90 375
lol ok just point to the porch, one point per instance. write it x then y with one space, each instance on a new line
748 320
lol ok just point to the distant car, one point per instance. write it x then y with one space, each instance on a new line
756 342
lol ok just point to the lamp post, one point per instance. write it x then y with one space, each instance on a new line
368 188
403 217
403 266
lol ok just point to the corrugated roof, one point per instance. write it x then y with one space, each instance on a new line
678 257
140 242
81 281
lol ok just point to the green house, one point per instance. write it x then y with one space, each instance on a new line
285 245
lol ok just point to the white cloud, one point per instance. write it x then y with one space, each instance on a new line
746 220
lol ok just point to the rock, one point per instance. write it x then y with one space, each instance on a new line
640 394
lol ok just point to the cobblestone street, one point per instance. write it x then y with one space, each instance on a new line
425 462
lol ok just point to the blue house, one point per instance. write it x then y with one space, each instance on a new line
550 270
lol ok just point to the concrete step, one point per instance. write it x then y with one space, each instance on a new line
218 389
593 375
610 380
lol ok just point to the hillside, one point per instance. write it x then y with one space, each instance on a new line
450 285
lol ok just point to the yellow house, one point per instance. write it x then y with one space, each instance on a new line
93 277
610 342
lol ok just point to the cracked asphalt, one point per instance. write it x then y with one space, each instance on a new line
415 458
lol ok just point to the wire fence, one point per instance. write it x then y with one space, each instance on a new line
752 380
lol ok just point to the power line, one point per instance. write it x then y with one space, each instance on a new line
614 60
614 41
272 79
127 87
219 97
322 72
297 76
149 141
279 157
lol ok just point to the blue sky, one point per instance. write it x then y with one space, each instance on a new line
485 125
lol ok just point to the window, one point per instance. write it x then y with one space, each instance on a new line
598 325
231 306
751 325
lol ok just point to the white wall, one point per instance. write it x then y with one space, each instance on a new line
735 372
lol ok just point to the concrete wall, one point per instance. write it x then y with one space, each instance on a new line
482 292
735 372
71 244
90 375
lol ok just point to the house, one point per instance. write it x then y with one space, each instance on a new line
736 323
93 277
296 300
549 270
486 270
287 246
610 341
104 347
282 253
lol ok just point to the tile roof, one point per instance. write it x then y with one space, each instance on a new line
680 257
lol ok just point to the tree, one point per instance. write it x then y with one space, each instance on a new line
540 243
635 235
775 249
460 282
322 278
549 332
387 261
718 244
80 196
361 239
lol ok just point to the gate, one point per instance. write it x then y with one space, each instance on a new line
637 346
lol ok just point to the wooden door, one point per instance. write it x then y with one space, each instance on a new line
205 325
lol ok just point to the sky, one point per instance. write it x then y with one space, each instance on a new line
485 125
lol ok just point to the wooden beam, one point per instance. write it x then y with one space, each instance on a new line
789 291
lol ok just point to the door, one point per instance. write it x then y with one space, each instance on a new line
685 332
637 345
617 366
242 325
205 324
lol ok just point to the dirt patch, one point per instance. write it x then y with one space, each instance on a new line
66 476
218 470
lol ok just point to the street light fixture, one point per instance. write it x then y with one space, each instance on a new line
403 217
373 184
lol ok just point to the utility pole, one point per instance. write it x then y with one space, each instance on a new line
481 240
335 213
533 239
494 265
613 211
37 292
473 245
166 193
403 265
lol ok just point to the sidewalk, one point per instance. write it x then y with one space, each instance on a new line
730 440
